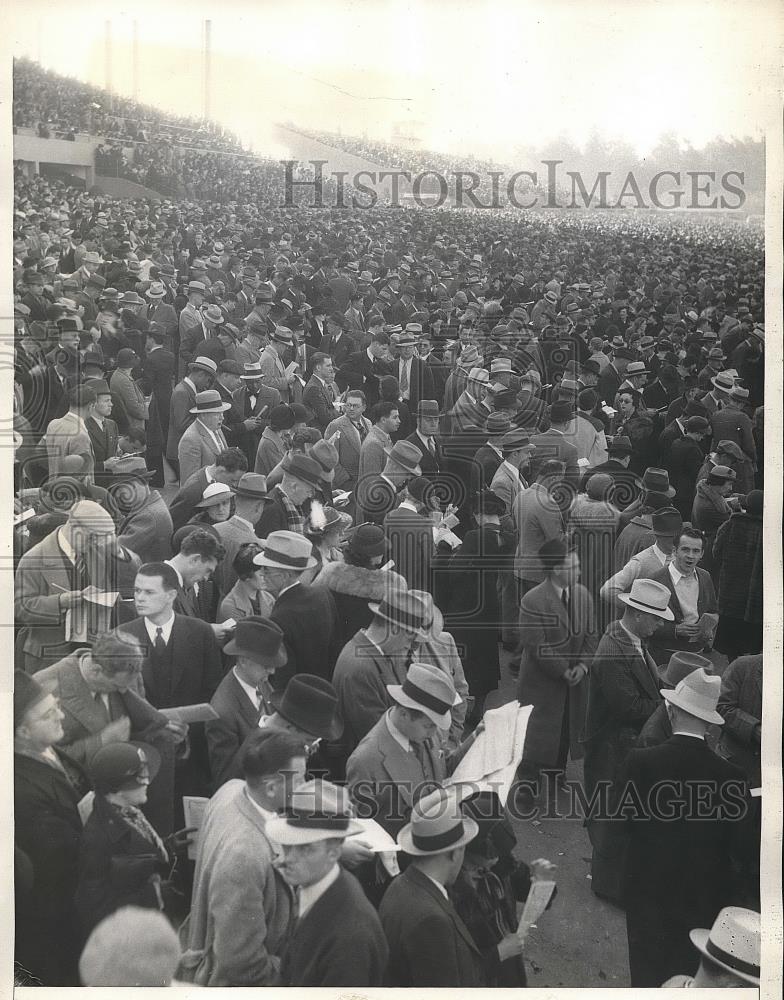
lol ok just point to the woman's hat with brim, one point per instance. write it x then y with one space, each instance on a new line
429 690
698 694
310 704
318 811
209 401
733 943
123 766
651 597
437 825
214 494
286 550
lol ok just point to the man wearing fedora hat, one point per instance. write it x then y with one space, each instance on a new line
253 402
145 524
509 479
242 909
374 657
722 385
202 334
658 728
730 423
302 477
696 843
429 945
337 939
285 556
275 374
203 440
622 695
160 311
201 372
471 409
244 695
425 437
103 431
250 498
377 495
730 952
336 341
414 376
663 526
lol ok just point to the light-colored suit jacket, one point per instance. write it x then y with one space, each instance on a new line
271 450
68 435
128 398
507 485
643 566
232 533
275 373
197 449
241 908
349 447
372 456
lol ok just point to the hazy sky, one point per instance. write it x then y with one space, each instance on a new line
484 77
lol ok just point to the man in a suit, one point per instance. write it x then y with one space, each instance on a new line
159 311
354 316
352 428
241 907
302 477
254 401
201 339
538 519
103 431
558 641
414 376
203 440
275 374
409 531
201 372
310 650
692 595
129 407
612 375
227 468
337 939
51 578
244 695
250 498
69 435
194 562
698 846
489 456
319 394
429 945
623 693
684 462
337 342
730 423
363 369
666 524
425 437
385 420
509 479
145 525
555 443
377 495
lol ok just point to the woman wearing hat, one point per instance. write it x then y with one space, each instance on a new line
122 859
635 422
730 454
325 528
359 579
214 506
248 596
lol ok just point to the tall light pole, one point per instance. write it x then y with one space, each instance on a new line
207 68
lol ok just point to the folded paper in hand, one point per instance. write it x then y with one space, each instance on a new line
190 713
107 599
379 841
492 761
539 896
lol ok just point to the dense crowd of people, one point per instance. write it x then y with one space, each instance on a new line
296 492
59 106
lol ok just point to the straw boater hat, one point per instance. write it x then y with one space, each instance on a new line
429 690
286 550
733 943
318 811
209 401
651 597
437 825
698 694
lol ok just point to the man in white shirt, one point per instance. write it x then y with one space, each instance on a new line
241 907
666 524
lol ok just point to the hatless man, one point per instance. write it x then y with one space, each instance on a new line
385 420
352 428
363 369
695 843
319 394
242 908
194 563
538 519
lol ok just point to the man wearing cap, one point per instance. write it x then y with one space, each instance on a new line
663 526
129 406
243 699
429 945
68 435
50 582
201 373
337 939
285 556
241 908
47 788
694 841
377 495
250 498
622 695
203 440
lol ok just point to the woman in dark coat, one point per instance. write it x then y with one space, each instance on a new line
122 859
737 562
637 424
469 591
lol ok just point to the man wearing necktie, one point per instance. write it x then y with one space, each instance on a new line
623 693
558 641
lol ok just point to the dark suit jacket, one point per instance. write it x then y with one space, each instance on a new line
664 642
266 398
420 382
429 464
488 460
196 666
410 536
359 372
274 516
609 383
339 942
317 397
225 735
183 505
103 439
553 445
341 351
429 945
376 497
311 650
180 417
